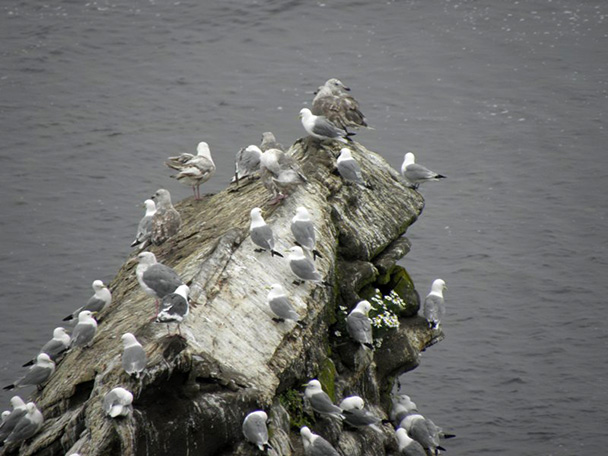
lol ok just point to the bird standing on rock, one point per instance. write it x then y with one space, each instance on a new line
434 304
359 325
156 279
39 373
96 303
416 174
166 220
321 128
144 228
134 358
84 331
261 234
303 231
194 170
255 429
334 101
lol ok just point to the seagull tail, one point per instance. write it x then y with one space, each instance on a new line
274 252
68 318
439 448
29 363
440 176
447 436
315 254
368 345
9 387
135 242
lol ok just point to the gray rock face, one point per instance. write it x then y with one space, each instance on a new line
232 358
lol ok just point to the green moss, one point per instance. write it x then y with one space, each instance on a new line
294 404
327 377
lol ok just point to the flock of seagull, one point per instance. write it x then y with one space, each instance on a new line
334 112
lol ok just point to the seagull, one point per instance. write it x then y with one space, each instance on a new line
334 102
402 406
134 357
279 303
302 266
84 331
407 445
166 221
356 416
359 325
320 401
155 278
270 142
174 306
416 174
96 303
194 170
280 173
247 162
434 305
9 423
321 128
424 431
54 347
349 169
315 445
261 233
255 430
27 426
117 402
303 231
39 373
144 229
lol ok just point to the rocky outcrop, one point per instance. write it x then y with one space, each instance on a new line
233 358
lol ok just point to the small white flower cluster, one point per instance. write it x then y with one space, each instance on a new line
385 317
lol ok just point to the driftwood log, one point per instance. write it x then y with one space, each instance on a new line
233 358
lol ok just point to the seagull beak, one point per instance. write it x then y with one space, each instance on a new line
346 88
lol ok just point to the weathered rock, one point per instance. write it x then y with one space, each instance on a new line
233 357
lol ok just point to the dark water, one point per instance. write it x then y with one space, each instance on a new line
508 99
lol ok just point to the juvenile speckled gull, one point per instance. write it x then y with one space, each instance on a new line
334 102
54 347
303 231
261 233
144 228
117 402
315 445
270 142
320 401
321 128
19 410
255 430
84 331
166 220
279 303
407 445
349 169
134 357
27 426
96 303
39 373
359 325
194 170
416 174
434 304
156 279
302 266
